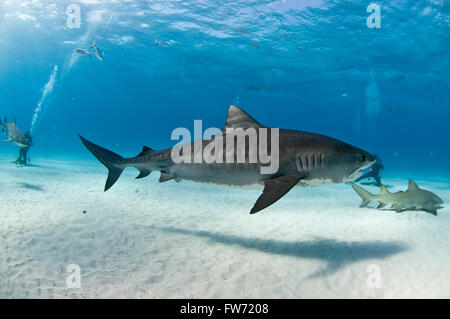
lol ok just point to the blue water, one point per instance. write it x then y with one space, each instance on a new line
308 65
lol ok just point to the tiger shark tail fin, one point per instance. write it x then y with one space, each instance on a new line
365 195
110 159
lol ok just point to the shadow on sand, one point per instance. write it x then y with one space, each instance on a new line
336 254
31 186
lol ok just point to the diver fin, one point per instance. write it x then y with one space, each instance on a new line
107 158
383 190
166 177
274 189
239 118
143 173
365 195
412 186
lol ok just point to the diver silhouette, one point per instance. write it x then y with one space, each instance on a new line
23 151
374 172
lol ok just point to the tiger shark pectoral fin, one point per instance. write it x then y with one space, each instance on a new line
274 189
8 140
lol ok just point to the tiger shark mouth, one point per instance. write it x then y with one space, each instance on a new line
359 171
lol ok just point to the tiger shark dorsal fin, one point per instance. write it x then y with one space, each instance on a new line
412 186
145 150
14 121
237 117
384 190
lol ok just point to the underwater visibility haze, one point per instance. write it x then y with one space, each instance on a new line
370 75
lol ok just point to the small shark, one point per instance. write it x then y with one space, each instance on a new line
82 52
14 133
414 198
304 159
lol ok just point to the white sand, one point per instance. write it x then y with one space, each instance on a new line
149 240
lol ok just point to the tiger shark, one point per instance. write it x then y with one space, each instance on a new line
304 159
14 133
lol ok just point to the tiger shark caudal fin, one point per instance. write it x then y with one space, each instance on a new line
365 195
107 158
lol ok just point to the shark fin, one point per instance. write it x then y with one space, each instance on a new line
365 195
274 189
412 186
14 121
239 118
145 150
381 205
143 173
166 177
107 158
433 211
383 190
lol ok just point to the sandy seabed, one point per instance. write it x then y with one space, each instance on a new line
143 239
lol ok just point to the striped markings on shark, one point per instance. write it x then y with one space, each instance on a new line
414 198
303 159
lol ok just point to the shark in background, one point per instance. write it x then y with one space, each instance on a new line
305 159
82 52
98 52
414 198
14 134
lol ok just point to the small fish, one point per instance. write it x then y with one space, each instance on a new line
414 198
161 43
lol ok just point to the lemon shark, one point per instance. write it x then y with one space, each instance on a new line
414 198
14 133
304 159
